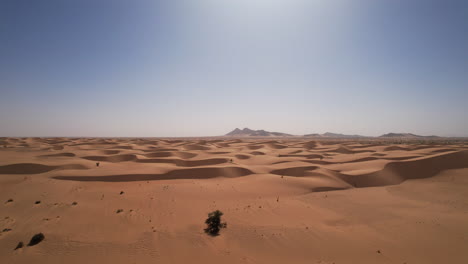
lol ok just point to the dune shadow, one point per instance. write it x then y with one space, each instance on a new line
193 173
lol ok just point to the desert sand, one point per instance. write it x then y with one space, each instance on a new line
284 200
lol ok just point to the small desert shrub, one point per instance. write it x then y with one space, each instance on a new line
20 245
36 239
213 223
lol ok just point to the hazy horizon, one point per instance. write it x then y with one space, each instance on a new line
202 68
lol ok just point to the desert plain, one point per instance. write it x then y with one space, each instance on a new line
293 200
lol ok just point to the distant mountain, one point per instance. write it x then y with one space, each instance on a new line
405 135
246 132
313 135
333 135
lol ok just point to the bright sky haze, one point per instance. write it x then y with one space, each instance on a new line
204 67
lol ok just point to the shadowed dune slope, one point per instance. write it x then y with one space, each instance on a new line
397 172
345 150
257 153
159 149
57 147
219 152
122 147
308 156
109 152
196 147
193 173
242 156
66 154
294 171
34 168
310 145
163 154
115 158
442 150
186 163
393 148
254 147
275 146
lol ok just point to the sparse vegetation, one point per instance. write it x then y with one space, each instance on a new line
36 239
20 245
119 211
214 224
37 202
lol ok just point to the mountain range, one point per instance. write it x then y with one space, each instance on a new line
247 132
405 135
333 135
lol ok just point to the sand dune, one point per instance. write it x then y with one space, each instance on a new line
397 172
286 200
310 144
442 150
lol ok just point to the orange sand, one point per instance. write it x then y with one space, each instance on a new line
284 200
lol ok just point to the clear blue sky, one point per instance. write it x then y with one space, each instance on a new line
204 67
